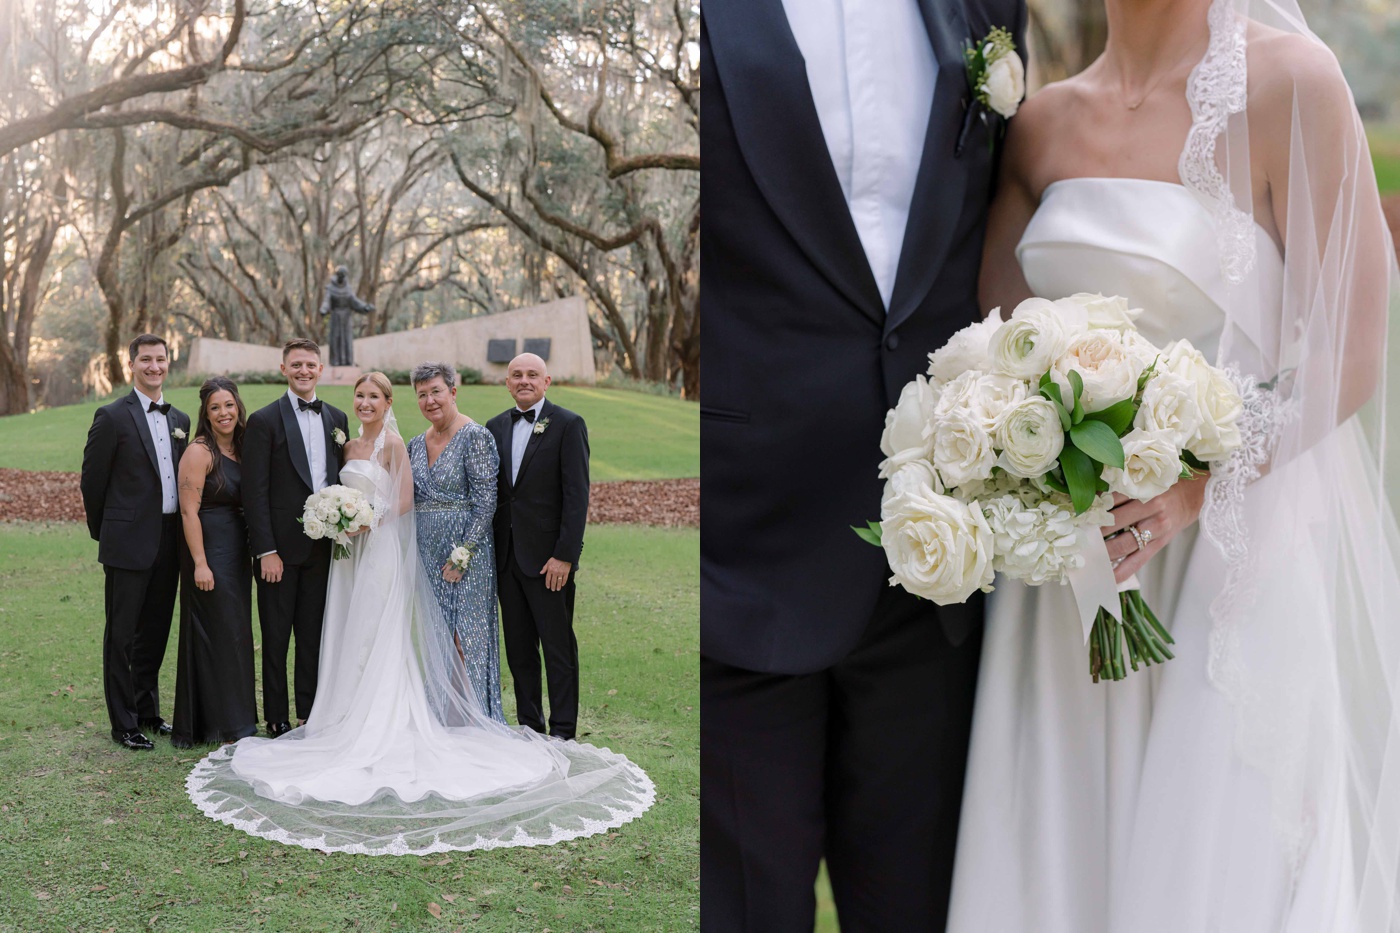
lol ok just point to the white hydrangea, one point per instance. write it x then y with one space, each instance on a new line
1037 544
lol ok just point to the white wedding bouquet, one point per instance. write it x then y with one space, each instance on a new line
336 512
1006 456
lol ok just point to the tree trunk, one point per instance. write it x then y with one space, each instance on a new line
14 383
109 263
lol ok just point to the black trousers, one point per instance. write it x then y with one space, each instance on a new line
297 604
139 606
533 618
861 763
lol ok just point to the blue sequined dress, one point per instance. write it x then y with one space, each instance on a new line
454 501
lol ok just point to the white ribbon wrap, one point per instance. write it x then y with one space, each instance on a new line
1093 584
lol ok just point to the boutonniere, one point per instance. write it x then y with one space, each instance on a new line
540 426
996 74
178 434
339 437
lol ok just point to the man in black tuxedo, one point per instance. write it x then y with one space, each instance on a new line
541 509
847 176
130 467
291 449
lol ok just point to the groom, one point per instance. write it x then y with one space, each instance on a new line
541 509
291 449
847 176
130 465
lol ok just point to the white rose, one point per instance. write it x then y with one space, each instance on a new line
313 528
962 448
1106 313
1151 466
937 547
918 477
1005 84
1169 406
967 349
327 511
1109 371
1217 402
908 427
1141 349
1027 345
1030 437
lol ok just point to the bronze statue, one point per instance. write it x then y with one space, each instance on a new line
342 304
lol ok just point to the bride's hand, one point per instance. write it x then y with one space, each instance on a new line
451 574
1164 516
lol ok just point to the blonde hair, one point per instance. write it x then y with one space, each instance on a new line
381 382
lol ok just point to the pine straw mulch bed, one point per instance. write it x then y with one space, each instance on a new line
28 495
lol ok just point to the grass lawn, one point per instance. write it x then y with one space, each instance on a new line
96 838
632 435
1385 155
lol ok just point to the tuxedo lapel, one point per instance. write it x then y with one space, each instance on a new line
328 427
942 180
296 447
764 81
536 438
143 427
504 448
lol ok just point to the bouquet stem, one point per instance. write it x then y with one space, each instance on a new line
340 551
1144 635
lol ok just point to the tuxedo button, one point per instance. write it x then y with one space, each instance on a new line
892 342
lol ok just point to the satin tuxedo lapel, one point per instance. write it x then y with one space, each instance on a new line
296 447
533 444
328 427
942 180
776 125
143 427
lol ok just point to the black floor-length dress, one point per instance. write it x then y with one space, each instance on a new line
214 697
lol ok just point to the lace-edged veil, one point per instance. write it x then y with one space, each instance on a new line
1306 628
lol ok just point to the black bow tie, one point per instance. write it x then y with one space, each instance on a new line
163 409
303 405
516 414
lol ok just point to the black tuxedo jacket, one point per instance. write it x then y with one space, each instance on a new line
277 477
121 481
543 513
802 359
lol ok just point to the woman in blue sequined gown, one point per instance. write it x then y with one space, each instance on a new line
455 466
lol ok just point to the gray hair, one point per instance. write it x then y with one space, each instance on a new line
427 372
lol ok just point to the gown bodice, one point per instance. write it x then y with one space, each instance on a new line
1152 242
364 475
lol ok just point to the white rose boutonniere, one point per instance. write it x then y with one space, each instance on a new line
339 437
178 434
540 426
996 74
461 557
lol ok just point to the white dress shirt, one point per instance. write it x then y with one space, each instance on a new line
872 71
313 435
520 436
165 454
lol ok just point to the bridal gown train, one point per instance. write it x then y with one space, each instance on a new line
384 765
1112 807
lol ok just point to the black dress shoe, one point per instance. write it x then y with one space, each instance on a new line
275 729
133 740
157 727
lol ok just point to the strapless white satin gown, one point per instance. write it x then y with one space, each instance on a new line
1110 808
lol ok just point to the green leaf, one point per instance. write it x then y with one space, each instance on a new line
1056 482
1118 416
1101 485
1080 474
1052 392
1045 380
1098 441
869 534
1076 382
1194 462
1077 415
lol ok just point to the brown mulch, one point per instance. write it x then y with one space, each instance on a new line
53 496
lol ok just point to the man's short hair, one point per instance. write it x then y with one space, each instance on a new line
300 343
427 372
145 340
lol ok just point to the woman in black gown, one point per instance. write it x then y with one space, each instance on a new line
214 700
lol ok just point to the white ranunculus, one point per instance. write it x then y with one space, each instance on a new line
962 448
918 477
967 349
1109 371
1169 406
1030 437
908 432
314 528
937 547
1038 544
985 396
1103 313
327 511
1217 402
1005 84
1151 466
1028 345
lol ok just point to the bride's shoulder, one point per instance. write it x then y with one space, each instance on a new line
1051 114
1287 68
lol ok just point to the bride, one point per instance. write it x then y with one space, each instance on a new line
397 756
1210 167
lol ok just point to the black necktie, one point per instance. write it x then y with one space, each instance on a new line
303 405
516 414
163 409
